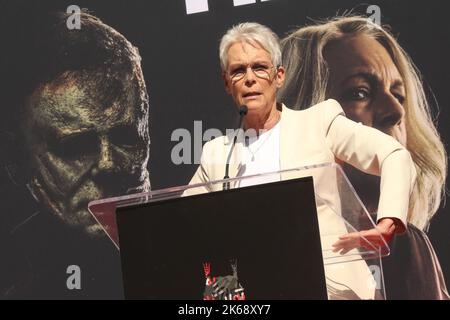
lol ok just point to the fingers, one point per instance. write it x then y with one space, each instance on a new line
346 243
367 239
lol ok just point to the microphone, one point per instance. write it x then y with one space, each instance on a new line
242 113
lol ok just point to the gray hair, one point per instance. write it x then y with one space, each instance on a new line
250 32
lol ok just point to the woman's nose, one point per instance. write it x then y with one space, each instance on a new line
249 76
389 112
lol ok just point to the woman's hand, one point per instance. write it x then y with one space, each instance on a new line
368 239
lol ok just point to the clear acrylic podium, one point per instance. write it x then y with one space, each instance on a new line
357 274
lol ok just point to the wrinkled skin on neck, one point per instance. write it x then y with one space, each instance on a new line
86 137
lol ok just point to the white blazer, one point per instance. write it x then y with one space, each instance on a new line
322 134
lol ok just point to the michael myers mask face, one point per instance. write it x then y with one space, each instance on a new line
86 137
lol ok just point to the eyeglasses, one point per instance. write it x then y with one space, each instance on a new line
260 70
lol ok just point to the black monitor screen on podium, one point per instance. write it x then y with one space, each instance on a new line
264 237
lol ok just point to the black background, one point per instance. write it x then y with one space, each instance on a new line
181 66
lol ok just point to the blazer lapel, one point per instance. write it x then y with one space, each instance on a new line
289 138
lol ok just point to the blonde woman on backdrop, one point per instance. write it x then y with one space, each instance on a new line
362 66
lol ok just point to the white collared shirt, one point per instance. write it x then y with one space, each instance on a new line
261 155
